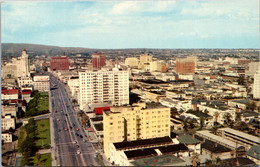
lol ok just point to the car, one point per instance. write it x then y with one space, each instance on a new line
84 140
66 114
78 152
77 134
74 142
77 129
65 129
77 146
70 127
58 119
80 136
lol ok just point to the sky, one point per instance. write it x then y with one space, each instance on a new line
133 24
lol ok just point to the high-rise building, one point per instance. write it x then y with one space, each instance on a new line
139 121
98 60
186 65
22 64
104 86
256 87
59 63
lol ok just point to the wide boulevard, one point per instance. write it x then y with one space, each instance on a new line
71 144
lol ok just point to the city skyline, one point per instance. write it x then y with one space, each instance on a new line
131 24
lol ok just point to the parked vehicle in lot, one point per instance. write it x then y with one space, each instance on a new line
77 146
78 152
77 129
65 129
80 136
74 142
84 140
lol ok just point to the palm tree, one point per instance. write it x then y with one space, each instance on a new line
195 159
216 115
228 118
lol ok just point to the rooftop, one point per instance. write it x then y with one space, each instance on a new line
9 91
143 143
187 139
154 105
214 147
162 160
254 151
242 101
241 134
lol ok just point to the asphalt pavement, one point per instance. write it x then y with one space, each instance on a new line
67 133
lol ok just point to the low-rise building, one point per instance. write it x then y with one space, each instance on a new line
192 143
26 95
9 94
8 122
41 83
254 153
7 137
9 110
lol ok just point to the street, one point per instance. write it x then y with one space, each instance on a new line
69 147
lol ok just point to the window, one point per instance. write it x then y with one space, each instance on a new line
111 123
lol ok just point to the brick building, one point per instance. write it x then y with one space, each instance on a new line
59 63
98 60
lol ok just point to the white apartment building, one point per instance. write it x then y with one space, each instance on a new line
98 87
139 121
256 87
8 122
41 83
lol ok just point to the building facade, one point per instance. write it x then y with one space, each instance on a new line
98 87
41 83
59 63
8 122
186 65
140 121
98 60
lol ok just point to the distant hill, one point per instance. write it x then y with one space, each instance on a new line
13 49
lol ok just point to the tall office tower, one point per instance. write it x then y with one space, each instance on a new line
98 60
104 86
59 63
256 87
22 64
186 65
139 121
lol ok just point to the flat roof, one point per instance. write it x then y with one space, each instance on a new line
99 126
241 134
221 140
161 160
142 143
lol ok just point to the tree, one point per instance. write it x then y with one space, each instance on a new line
195 159
209 162
228 118
74 101
216 115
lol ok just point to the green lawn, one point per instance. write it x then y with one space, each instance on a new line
45 160
43 103
43 129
